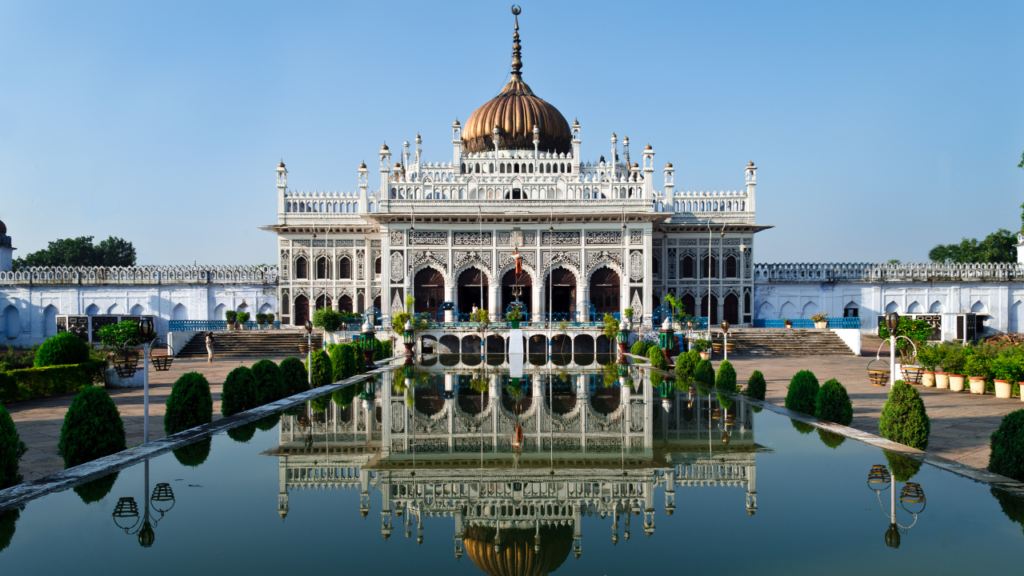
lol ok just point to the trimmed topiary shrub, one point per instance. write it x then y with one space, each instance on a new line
904 418
96 490
686 364
323 374
657 358
338 361
242 433
239 393
831 439
319 405
801 427
194 454
1007 444
344 396
803 392
64 348
639 348
189 404
8 519
833 403
704 374
92 428
28 383
267 423
11 450
756 386
268 381
725 381
902 467
1012 506
294 376
354 360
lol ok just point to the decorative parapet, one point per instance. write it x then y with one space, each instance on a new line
139 275
875 273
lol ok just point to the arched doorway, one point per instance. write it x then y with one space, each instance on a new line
301 310
731 309
713 312
323 302
428 290
689 305
472 287
560 291
345 304
604 291
525 282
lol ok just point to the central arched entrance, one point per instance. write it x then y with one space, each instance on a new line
301 311
604 291
472 290
560 291
525 282
428 290
712 314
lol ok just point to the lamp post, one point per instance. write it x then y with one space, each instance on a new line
309 353
126 510
367 338
665 339
146 337
407 338
725 339
892 322
912 500
623 339
689 333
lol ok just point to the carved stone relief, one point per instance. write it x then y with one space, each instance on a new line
397 267
636 265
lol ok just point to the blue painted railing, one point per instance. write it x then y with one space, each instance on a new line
837 323
208 325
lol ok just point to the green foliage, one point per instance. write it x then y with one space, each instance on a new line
701 345
629 313
28 383
352 360
996 247
320 405
1007 447
8 519
833 403
239 393
269 380
230 316
92 428
11 450
343 397
611 327
726 379
704 374
382 349
242 317
903 468
686 366
338 367
831 439
803 392
757 388
801 427
267 423
121 335
516 313
189 404
327 319
194 454
639 348
294 377
14 358
242 433
657 358
481 316
1013 507
323 373
917 330
64 348
81 252
904 418
261 318
96 490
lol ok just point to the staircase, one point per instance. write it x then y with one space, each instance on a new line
249 344
783 342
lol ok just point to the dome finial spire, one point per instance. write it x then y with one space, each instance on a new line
517 61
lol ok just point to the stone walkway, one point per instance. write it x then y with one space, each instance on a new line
39 421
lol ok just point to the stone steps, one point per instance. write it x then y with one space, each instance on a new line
782 342
249 344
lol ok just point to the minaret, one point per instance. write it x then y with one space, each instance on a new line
6 250
576 147
648 171
456 144
419 150
385 169
405 155
282 187
614 158
670 182
751 175
364 188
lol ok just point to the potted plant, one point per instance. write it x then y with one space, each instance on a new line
514 316
230 316
270 320
941 378
675 304
1004 369
978 370
820 320
243 319
926 356
787 322
261 320
701 346
953 362
121 339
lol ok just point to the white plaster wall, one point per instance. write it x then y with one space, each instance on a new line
851 337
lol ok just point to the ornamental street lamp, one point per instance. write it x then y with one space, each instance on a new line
892 322
666 338
912 500
309 353
623 339
407 337
367 337
725 339
126 510
147 337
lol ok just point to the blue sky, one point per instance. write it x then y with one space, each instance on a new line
879 128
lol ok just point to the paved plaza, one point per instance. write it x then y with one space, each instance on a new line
961 422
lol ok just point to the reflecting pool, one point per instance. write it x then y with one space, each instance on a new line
510 468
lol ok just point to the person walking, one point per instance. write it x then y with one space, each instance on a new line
209 347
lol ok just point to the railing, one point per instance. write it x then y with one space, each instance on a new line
867 272
836 323
210 325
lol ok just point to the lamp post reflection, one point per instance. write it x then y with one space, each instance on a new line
126 510
912 500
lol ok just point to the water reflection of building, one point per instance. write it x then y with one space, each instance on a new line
445 450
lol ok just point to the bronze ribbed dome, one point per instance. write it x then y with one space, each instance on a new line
515 111
518 556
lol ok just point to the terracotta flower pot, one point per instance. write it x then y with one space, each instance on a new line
705 355
1003 389
789 325
928 379
821 325
956 382
977 384
941 380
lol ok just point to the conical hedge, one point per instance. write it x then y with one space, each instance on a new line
833 403
323 373
268 381
239 392
904 418
92 428
803 392
294 376
1007 447
189 404
725 381
757 388
11 450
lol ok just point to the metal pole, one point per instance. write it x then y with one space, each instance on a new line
145 402
725 345
892 360
309 357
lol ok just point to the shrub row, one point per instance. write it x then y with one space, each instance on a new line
28 383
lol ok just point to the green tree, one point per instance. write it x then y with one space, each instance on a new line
269 380
1007 447
115 251
323 374
92 428
239 392
294 377
904 418
81 252
189 405
996 247
756 386
725 381
686 364
803 392
833 403
11 450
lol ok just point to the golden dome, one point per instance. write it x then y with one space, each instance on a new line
280 164
515 112
750 163
518 557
